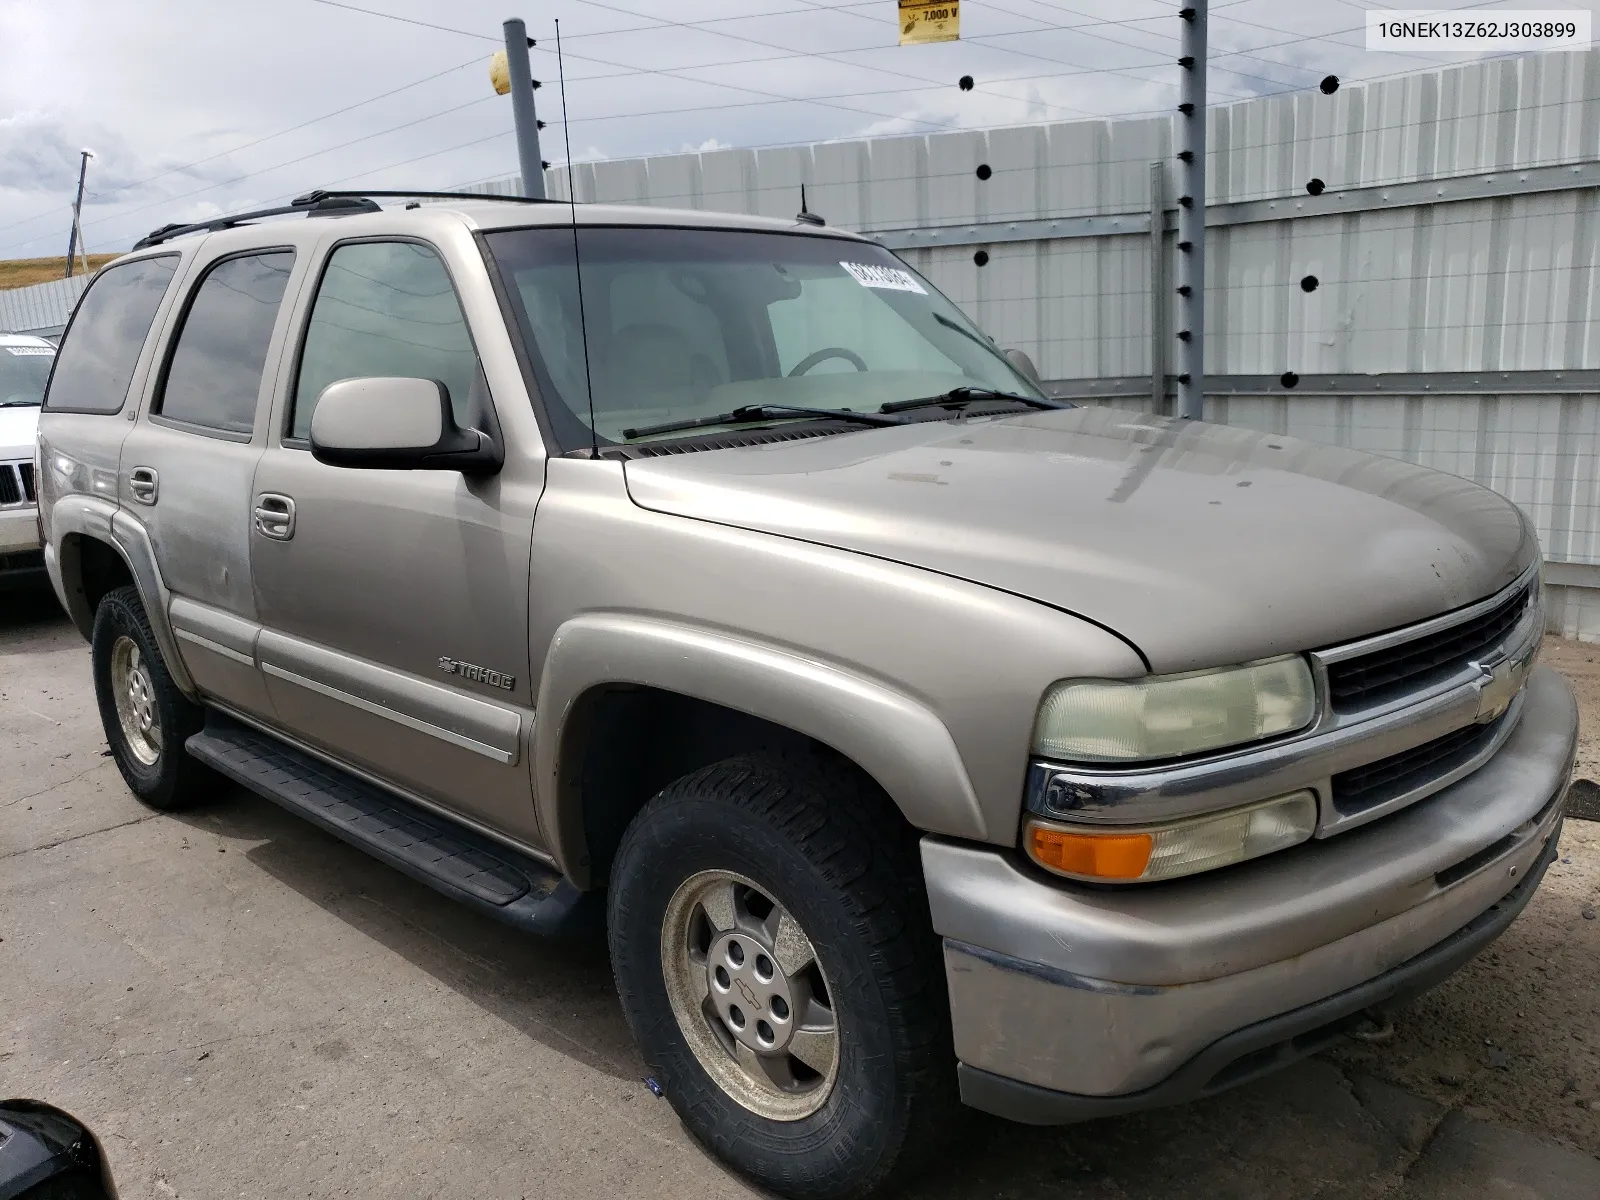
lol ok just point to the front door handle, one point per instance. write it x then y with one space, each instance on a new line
274 516
143 483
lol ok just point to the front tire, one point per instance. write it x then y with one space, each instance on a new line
772 945
146 718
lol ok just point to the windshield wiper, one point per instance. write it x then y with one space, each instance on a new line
759 412
20 403
964 332
966 395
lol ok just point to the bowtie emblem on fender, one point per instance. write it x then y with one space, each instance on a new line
477 674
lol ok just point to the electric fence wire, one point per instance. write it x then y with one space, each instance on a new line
682 74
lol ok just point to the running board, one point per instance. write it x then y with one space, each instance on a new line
450 858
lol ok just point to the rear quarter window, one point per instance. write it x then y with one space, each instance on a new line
95 363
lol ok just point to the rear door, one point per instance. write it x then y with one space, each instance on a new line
104 359
190 459
394 603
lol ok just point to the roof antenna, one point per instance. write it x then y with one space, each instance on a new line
805 214
577 265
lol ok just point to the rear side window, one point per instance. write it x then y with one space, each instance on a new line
96 360
386 308
214 375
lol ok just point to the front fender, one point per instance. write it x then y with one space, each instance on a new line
894 738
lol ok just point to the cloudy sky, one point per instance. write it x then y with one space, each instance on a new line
197 107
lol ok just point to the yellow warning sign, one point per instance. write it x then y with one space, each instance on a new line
923 22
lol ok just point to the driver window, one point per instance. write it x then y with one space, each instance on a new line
836 311
386 308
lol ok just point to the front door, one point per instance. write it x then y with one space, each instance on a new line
394 603
189 462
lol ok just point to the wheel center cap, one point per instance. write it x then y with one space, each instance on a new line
750 992
139 693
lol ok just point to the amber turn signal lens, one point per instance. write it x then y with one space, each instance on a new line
1123 855
1098 855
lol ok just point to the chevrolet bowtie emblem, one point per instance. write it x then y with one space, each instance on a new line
1500 686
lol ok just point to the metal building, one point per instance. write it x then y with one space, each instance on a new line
1407 266
41 308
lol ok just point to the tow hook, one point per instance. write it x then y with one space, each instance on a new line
1379 1027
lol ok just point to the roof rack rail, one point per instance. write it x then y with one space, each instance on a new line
318 203
320 194
314 204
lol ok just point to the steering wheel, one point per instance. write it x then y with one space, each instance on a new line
823 355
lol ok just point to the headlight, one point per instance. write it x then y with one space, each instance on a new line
1168 716
1112 854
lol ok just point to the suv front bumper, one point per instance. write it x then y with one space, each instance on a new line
21 557
1071 1002
19 529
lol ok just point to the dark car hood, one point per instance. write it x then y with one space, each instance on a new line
1201 544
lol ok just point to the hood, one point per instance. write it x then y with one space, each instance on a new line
1201 544
19 429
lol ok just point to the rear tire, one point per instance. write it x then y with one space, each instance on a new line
724 884
146 718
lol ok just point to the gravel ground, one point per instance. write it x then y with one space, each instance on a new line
1580 663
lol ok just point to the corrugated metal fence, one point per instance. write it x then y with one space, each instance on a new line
1408 266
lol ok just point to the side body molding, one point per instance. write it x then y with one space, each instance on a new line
493 731
102 520
898 741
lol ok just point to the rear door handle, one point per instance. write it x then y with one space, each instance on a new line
274 516
144 484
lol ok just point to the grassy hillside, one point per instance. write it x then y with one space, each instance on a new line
20 272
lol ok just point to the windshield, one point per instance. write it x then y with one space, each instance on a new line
686 323
23 372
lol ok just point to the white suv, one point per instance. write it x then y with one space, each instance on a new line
25 363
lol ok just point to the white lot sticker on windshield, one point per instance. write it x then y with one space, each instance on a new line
27 350
892 278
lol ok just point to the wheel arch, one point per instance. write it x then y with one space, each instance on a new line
96 547
728 694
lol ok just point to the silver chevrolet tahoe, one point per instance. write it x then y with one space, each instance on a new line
918 739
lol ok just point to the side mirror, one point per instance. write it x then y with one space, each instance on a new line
46 1154
399 425
1024 364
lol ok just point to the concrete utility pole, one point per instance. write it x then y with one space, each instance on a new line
77 210
1158 287
1192 214
522 85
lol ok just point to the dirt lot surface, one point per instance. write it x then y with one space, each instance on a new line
1580 663
243 1006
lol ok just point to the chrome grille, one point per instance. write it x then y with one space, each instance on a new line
11 485
1393 671
1376 783
25 470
